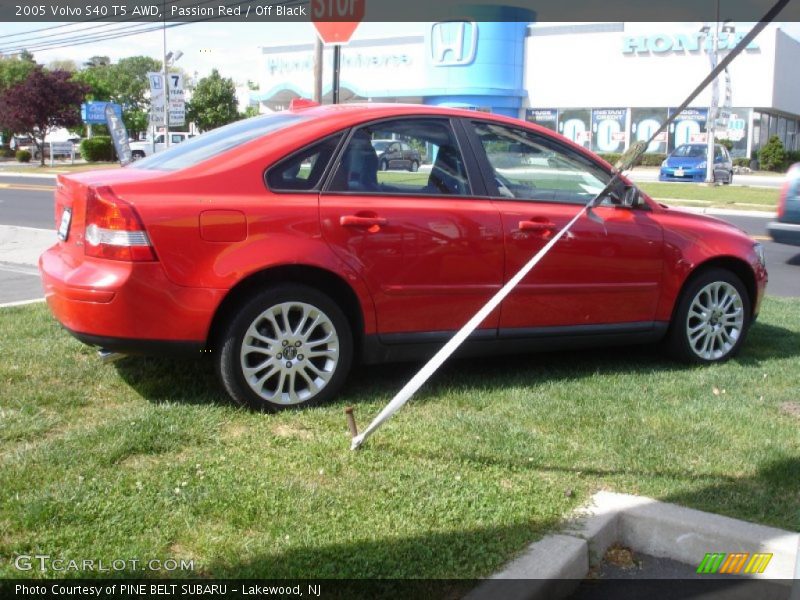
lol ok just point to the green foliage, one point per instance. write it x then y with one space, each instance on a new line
726 143
23 156
124 83
98 148
6 152
250 111
792 156
610 157
773 155
741 162
652 159
213 102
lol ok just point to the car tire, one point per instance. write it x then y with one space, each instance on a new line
302 326
712 318
730 178
414 166
137 154
384 166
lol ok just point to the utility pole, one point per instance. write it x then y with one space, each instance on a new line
711 121
317 70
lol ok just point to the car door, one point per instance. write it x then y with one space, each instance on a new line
596 277
427 246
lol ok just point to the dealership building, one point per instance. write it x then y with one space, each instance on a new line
602 85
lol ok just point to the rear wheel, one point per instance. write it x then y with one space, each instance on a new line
289 346
712 318
384 165
137 154
414 166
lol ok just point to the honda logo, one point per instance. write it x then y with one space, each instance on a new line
453 43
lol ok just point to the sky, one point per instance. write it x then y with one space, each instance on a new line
232 48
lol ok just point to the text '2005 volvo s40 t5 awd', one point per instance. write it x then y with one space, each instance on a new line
279 245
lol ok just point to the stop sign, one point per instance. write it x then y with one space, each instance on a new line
336 20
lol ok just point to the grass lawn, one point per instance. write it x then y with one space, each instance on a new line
36 169
146 458
727 196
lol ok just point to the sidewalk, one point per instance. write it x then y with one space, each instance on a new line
20 248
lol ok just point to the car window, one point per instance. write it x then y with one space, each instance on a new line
528 166
303 170
176 138
216 141
438 169
160 139
690 151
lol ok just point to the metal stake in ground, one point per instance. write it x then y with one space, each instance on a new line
628 161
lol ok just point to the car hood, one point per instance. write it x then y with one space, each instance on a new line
685 162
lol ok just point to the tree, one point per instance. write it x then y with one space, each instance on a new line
773 155
124 83
213 102
97 61
63 65
13 70
44 101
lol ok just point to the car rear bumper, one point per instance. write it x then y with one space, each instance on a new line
784 233
101 301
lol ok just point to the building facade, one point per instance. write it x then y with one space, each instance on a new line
602 85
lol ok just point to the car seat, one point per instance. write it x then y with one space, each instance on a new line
447 175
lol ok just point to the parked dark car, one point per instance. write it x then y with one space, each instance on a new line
786 230
399 155
688 163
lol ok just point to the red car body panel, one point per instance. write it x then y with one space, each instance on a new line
215 224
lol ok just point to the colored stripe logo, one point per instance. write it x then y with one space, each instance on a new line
735 563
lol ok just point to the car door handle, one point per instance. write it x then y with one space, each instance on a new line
356 221
536 226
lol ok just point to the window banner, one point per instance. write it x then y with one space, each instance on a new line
608 129
575 124
644 123
689 127
545 117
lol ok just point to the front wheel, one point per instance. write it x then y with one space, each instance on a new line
384 166
289 346
712 318
414 166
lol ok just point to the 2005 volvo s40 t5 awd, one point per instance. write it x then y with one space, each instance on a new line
279 245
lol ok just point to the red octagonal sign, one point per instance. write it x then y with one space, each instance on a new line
336 20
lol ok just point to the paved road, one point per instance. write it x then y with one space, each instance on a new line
28 202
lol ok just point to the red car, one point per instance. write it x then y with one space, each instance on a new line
279 246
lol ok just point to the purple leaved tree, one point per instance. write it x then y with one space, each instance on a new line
42 102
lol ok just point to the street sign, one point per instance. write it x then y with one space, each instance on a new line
336 20
177 99
94 113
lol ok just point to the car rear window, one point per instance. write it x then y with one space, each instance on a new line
216 141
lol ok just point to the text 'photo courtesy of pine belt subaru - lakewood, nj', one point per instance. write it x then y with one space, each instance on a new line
278 246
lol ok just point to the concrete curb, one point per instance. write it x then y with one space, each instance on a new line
554 566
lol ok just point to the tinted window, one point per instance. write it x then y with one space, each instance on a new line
360 169
216 142
690 151
303 171
528 166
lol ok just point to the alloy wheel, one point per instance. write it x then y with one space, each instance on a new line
715 320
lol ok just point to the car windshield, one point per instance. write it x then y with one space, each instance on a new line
216 141
380 145
690 151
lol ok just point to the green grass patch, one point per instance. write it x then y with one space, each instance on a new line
147 459
740 197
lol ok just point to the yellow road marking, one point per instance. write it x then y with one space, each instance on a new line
27 187
761 238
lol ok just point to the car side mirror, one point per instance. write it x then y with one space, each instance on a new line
631 197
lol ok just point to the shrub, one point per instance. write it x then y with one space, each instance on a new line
792 156
23 156
653 159
610 157
727 143
97 148
741 162
6 152
772 156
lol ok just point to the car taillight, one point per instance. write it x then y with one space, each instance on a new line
113 229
